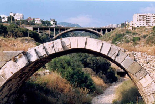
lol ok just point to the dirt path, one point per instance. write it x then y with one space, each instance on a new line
108 96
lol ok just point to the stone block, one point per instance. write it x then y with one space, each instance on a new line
127 62
9 69
22 60
105 48
58 46
140 74
150 88
146 80
74 42
2 80
113 51
94 44
49 47
32 55
120 56
81 42
66 44
40 50
134 67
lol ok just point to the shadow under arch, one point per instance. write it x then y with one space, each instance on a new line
27 63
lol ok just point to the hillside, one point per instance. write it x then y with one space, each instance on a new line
66 24
19 44
140 39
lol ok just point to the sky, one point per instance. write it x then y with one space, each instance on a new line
87 13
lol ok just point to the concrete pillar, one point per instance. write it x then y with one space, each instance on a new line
101 31
59 30
54 31
49 31
106 31
38 29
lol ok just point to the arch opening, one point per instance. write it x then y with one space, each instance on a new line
79 29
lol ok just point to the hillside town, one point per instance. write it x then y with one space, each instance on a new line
139 20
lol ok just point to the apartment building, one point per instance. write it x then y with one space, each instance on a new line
140 20
17 16
4 18
37 21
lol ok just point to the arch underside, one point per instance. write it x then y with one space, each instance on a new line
15 72
79 29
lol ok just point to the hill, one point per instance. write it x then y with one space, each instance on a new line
66 24
140 39
18 44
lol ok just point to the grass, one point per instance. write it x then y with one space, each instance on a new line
52 89
99 84
11 44
127 93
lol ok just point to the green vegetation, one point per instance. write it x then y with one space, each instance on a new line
70 67
71 70
117 38
127 93
135 39
52 89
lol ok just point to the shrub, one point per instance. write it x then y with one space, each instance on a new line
150 39
135 39
118 37
52 89
127 93
72 71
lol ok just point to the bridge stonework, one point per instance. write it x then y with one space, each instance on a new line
16 71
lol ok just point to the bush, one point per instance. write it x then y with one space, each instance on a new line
150 39
52 89
72 71
135 39
127 93
118 37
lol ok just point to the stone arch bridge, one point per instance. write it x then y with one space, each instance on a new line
99 31
17 70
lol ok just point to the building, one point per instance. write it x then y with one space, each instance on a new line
53 22
140 20
17 16
29 19
37 21
4 18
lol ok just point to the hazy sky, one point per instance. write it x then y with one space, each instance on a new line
85 13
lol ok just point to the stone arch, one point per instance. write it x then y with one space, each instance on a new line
79 29
16 71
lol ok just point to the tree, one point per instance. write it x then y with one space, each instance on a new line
3 30
11 19
0 19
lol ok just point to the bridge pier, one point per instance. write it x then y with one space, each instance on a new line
38 29
49 32
106 31
101 31
54 31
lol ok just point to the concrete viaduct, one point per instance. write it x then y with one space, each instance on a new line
99 31
17 70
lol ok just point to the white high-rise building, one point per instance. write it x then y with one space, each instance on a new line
140 20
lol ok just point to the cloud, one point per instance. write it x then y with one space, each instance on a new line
149 9
83 20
